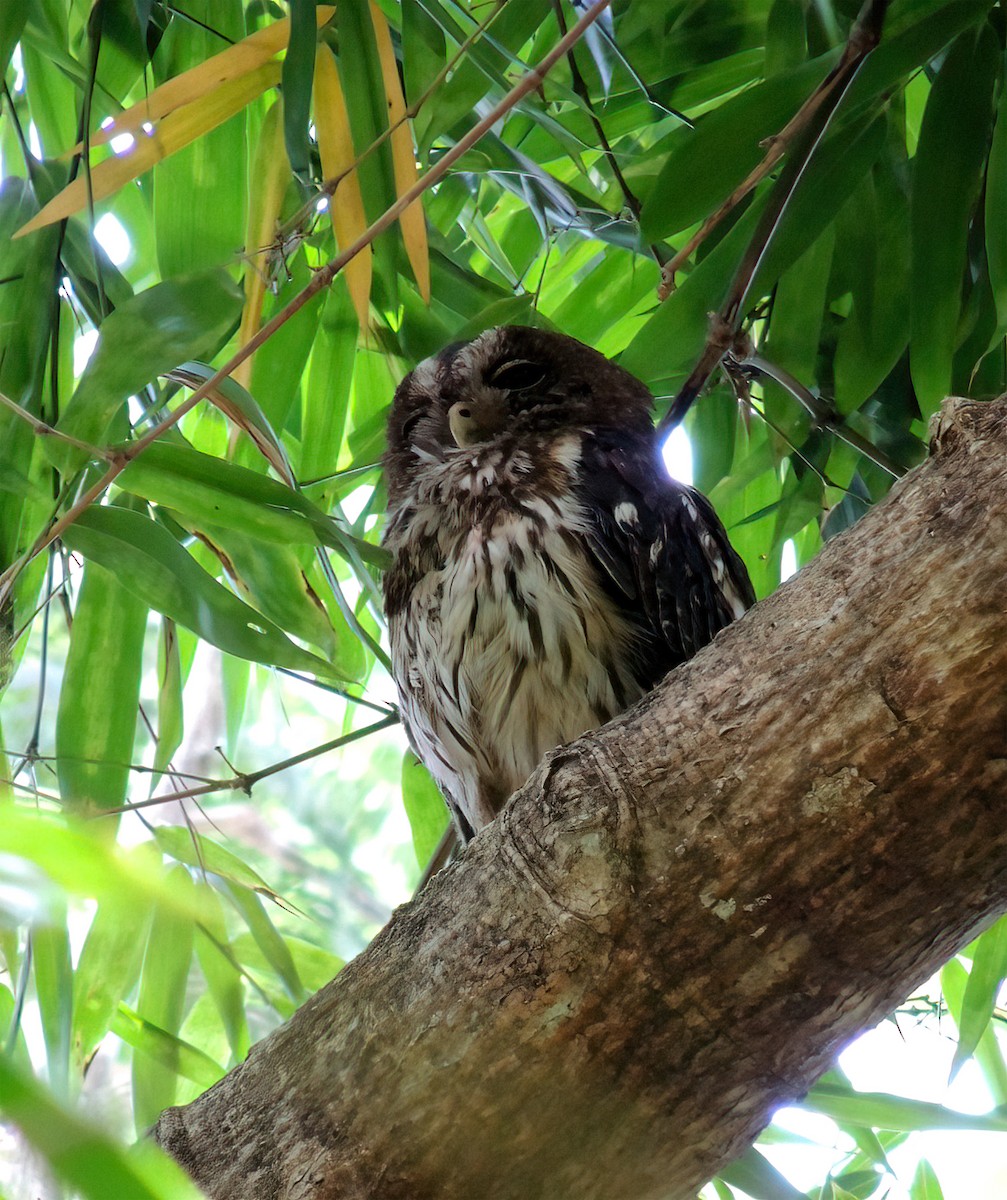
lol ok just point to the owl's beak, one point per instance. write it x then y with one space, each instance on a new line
474 421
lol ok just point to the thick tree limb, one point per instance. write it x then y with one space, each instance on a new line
678 922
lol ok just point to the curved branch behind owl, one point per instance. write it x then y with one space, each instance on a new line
546 570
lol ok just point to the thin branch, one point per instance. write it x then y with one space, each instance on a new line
724 326
44 430
322 278
245 782
823 415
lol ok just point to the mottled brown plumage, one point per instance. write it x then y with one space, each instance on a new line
546 571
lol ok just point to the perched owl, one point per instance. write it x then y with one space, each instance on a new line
546 571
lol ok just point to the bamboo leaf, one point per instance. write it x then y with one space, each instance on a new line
223 975
98 699
145 337
996 212
274 949
170 711
271 172
425 808
175 131
83 1156
412 222
107 970
53 971
199 213
167 1051
161 1002
346 207
86 864
199 485
195 850
159 571
192 85
882 1111
987 1054
925 1184
759 1178
952 145
297 76
989 969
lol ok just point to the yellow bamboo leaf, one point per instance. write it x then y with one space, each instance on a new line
269 179
177 129
237 60
414 228
335 146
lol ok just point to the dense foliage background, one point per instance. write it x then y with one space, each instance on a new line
191 635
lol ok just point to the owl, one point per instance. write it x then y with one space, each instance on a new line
546 571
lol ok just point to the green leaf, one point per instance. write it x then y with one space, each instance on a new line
925 1184
425 808
988 1055
182 318
327 391
798 306
80 1154
273 947
81 861
423 49
724 147
278 365
205 488
172 1053
170 712
26 315
100 692
12 19
199 203
223 975
881 1111
989 969
272 578
53 972
298 73
759 1178
996 212
163 574
875 333
952 145
187 846
161 1002
107 970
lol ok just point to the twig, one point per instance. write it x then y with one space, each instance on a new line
41 429
322 278
725 325
823 415
245 782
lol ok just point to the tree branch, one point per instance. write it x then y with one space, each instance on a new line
680 919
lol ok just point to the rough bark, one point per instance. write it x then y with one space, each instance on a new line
679 921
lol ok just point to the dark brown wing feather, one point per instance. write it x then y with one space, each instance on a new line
661 550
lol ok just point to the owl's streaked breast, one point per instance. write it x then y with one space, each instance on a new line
504 643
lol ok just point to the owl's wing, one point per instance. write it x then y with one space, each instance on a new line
661 549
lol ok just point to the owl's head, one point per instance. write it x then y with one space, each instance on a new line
511 383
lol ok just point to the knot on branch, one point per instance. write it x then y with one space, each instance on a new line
962 422
580 853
